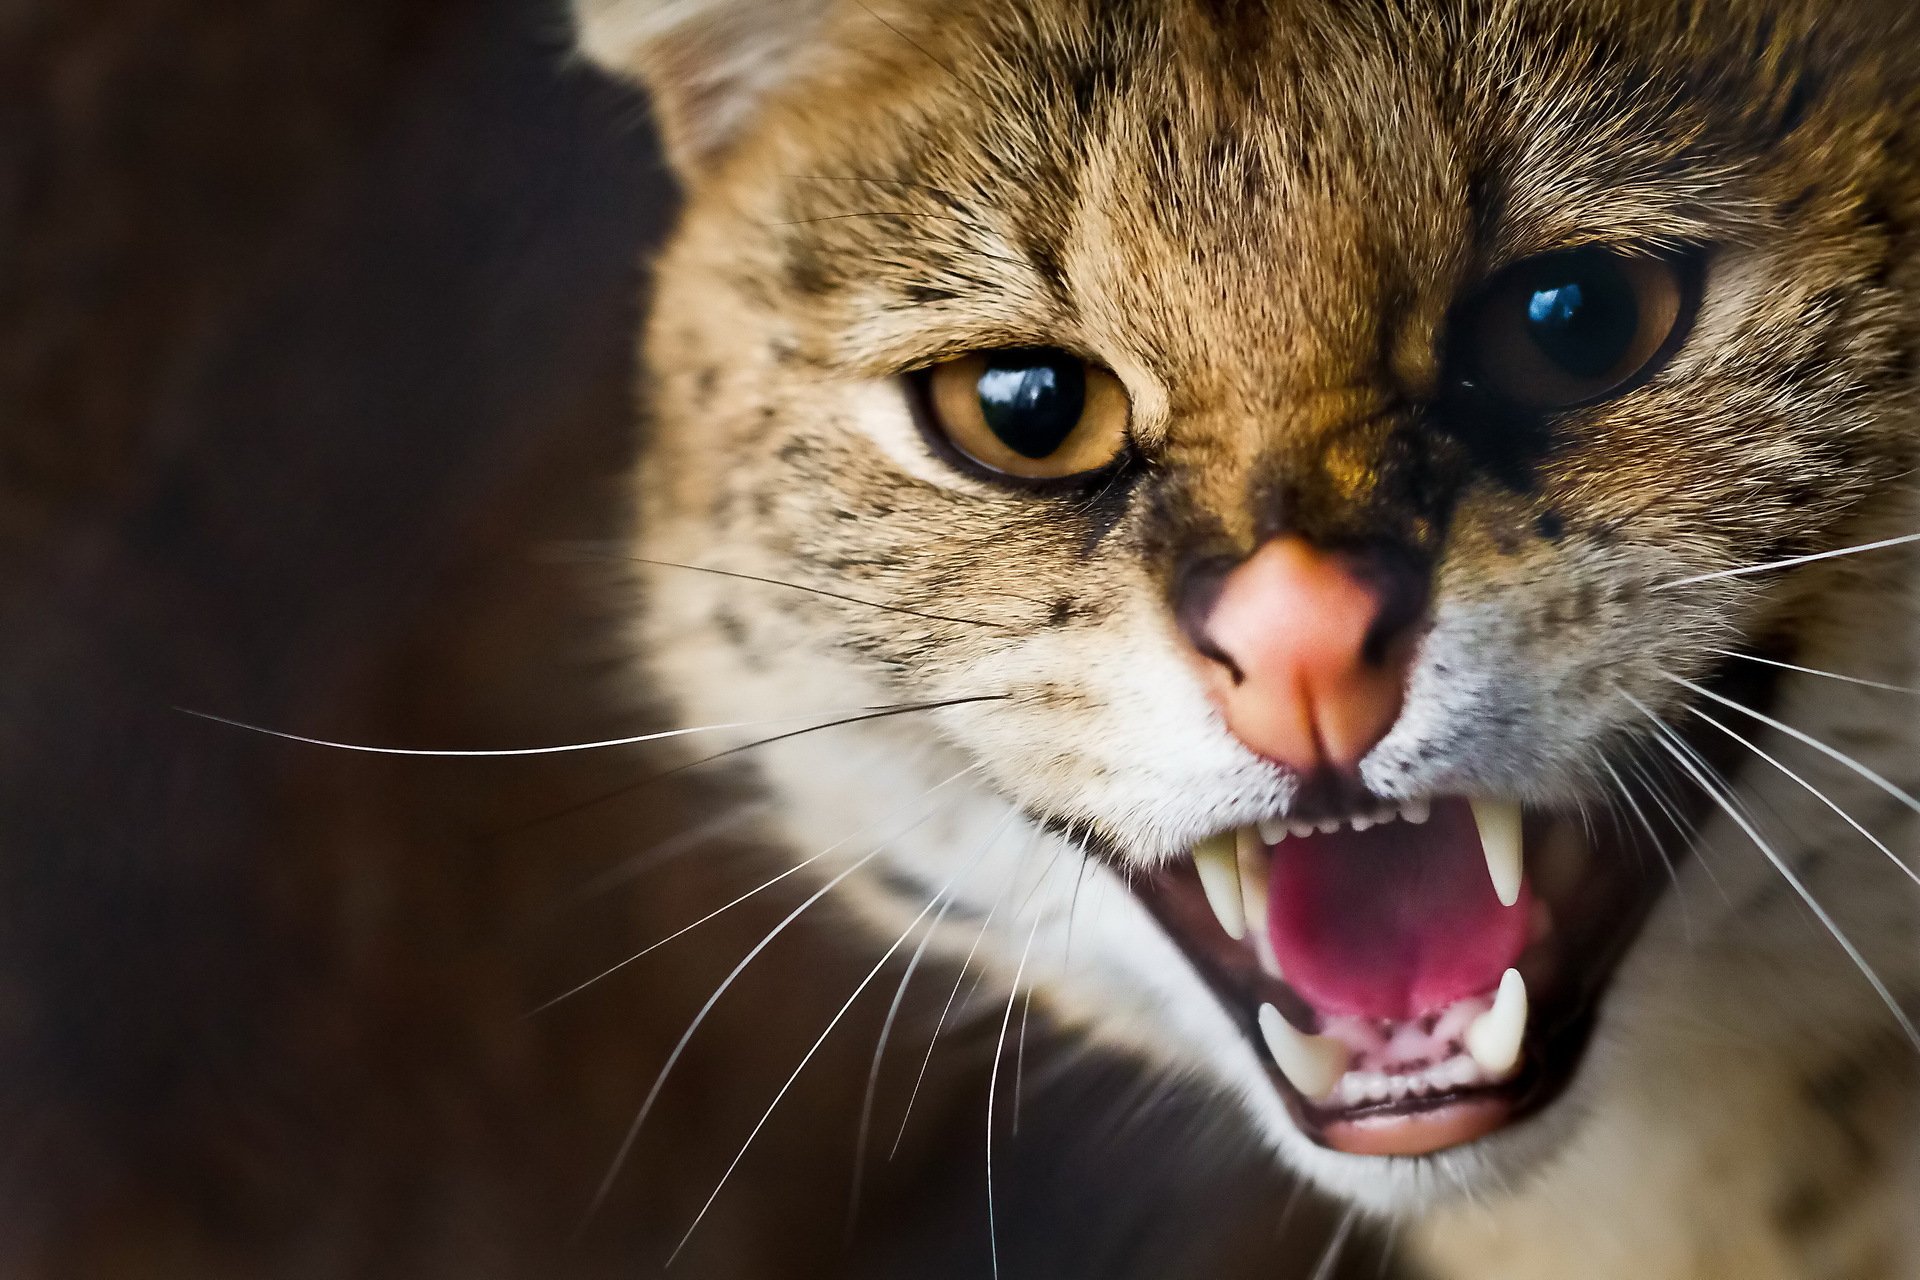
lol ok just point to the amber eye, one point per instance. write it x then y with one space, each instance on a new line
1036 413
1572 328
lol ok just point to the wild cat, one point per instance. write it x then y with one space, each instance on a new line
1372 547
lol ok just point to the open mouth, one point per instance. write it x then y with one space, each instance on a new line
1417 977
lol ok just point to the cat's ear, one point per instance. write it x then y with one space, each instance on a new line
709 65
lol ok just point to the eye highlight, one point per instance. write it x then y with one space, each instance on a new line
1573 328
1036 413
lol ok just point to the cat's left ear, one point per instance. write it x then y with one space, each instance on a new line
710 65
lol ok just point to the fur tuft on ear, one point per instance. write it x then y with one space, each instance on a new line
708 64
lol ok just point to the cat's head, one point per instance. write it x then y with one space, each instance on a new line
1305 442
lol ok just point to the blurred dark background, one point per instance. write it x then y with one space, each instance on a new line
316 325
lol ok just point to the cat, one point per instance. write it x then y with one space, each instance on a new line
1363 550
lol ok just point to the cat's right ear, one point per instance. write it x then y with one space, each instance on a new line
709 65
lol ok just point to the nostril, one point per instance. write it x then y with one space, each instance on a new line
1201 583
1401 584
1306 646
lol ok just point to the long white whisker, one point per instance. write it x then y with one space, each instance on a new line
1660 850
946 1011
1684 827
721 910
1831 752
1817 794
686 1037
1073 907
1669 738
1387 1247
993 1082
563 749
1815 671
1337 1245
808 1057
893 1013
1026 1003
1790 563
667 850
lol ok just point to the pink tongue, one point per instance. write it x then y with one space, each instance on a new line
1392 922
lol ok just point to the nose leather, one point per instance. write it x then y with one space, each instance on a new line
1306 654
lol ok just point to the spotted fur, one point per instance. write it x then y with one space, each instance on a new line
1262 217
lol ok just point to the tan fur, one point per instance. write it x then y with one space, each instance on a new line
1260 216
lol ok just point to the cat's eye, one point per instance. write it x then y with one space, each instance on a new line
1035 413
1572 328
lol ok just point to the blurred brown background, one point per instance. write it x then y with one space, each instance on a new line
315 370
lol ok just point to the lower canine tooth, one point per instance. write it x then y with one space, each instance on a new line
1311 1064
1219 872
1495 1037
1499 823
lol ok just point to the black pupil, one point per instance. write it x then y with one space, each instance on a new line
1584 318
1032 400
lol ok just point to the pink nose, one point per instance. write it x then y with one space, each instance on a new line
1308 652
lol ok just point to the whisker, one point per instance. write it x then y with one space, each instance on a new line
667 850
808 1057
631 787
917 46
893 1013
686 1037
1073 905
563 749
946 1010
1026 1004
993 1083
1790 563
1818 794
883 213
1666 860
1387 1247
1669 739
951 199
758 889
1337 1245
1815 671
816 591
1831 752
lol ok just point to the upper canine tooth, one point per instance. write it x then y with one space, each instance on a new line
1272 830
1214 859
1499 823
1251 861
1311 1064
1494 1038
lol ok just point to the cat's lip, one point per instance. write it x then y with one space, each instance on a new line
1446 1076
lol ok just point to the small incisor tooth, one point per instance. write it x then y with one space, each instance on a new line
1495 1037
1499 824
1219 870
1311 1064
1272 830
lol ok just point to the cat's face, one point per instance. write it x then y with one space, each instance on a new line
1259 417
